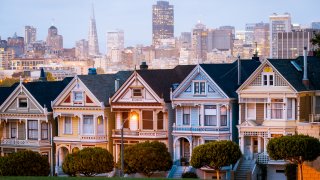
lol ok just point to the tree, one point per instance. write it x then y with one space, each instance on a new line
88 161
295 149
50 76
146 158
7 82
24 163
215 155
316 42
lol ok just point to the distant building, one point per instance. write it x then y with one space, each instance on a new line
261 40
290 44
230 28
115 45
278 23
221 39
93 36
200 42
185 40
5 58
30 34
54 40
162 22
82 49
16 43
315 25
249 36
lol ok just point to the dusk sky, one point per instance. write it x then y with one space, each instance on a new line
71 17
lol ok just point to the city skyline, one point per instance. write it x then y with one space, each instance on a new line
135 17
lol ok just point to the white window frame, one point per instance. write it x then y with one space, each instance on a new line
140 92
220 114
254 109
64 125
268 75
18 102
102 124
216 114
199 82
77 101
269 108
185 109
292 108
86 133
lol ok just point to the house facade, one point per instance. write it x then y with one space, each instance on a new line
26 118
83 115
143 109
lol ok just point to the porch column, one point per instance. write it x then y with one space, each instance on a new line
95 124
218 116
26 126
154 117
201 115
251 146
57 161
259 144
39 130
265 140
242 143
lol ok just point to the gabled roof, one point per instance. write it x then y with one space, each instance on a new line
102 86
47 91
294 76
226 75
161 80
5 93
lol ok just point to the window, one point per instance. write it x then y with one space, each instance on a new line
13 129
125 116
210 115
67 125
199 88
268 79
77 96
88 124
23 103
147 119
223 116
186 116
100 125
276 108
290 111
44 131
160 120
251 111
32 129
137 92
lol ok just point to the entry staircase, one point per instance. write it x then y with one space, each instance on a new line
177 171
243 169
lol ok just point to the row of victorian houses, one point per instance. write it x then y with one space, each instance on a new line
247 101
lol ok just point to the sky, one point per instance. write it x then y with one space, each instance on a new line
71 17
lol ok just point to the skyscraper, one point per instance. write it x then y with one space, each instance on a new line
162 22
54 40
200 42
278 23
82 49
115 45
29 34
93 36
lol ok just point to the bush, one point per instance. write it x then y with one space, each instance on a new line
24 163
88 161
291 171
189 175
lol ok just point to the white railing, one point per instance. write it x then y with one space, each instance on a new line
263 158
93 138
314 118
200 128
24 142
140 133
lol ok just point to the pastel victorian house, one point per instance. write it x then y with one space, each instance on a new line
26 117
142 106
83 115
274 101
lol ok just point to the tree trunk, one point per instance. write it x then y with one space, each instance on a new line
218 174
300 168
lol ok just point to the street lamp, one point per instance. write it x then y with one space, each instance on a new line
133 117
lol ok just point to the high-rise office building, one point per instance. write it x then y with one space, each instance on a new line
185 40
54 40
29 34
261 39
278 23
221 39
200 42
162 22
93 36
291 44
249 28
115 45
16 43
82 49
5 58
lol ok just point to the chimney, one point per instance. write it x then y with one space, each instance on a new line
92 71
305 79
143 66
116 85
239 71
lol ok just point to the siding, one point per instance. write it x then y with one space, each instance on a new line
21 131
259 113
305 108
194 116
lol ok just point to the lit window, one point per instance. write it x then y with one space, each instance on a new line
137 92
23 103
100 124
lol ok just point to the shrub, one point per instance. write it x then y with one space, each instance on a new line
189 175
88 161
291 171
24 163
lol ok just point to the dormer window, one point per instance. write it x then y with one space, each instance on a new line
267 76
199 87
137 92
23 103
77 96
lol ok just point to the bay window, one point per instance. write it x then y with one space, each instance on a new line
33 129
223 116
13 129
100 125
290 108
160 120
147 120
277 108
88 124
67 125
44 131
251 111
186 116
